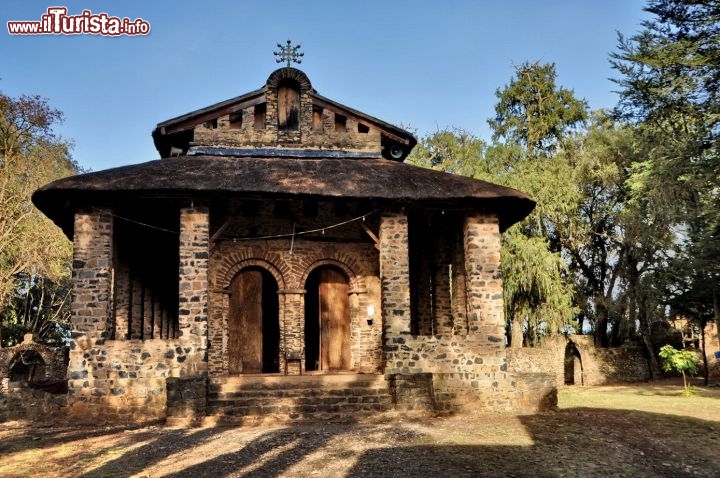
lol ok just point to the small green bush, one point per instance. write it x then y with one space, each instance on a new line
682 361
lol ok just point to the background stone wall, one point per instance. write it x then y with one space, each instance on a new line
600 366
45 395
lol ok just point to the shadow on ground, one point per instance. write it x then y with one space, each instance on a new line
576 442
579 442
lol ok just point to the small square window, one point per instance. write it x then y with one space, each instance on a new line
340 122
236 119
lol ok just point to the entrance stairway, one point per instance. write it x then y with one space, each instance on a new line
255 399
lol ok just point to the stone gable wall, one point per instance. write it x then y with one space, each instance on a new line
224 133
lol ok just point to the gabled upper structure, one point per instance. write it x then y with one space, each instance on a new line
287 113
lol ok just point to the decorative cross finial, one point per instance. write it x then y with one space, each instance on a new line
288 53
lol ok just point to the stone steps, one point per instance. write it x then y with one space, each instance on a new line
282 399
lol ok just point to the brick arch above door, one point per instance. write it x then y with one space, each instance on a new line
357 284
226 273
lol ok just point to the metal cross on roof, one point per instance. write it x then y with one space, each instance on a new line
288 53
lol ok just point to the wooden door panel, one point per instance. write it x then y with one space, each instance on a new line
251 322
234 340
288 108
334 320
245 323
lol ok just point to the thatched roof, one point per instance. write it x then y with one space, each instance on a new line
210 176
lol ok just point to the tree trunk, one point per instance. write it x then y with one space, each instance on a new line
516 334
716 309
655 371
706 372
601 320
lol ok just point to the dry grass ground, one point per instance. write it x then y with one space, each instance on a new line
647 430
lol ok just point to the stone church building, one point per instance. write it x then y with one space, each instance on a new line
281 258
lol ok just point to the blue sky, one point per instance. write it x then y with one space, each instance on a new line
421 64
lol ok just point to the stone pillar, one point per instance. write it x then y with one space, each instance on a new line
136 303
157 319
395 283
147 313
193 286
459 289
218 331
442 316
292 331
92 281
483 281
122 302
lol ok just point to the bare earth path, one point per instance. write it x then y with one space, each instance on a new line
633 431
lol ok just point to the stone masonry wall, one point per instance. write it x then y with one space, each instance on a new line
194 256
125 380
43 398
469 368
92 281
395 284
548 359
599 366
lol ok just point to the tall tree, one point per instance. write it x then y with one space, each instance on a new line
533 119
532 111
30 156
612 244
670 82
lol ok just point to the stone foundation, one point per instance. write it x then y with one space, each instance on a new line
186 400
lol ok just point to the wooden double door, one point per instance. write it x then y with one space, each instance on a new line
327 321
253 323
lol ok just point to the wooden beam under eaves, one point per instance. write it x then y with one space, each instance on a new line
371 234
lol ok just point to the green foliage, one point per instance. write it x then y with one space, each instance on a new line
453 151
534 117
628 214
682 361
39 306
538 295
33 251
670 82
533 112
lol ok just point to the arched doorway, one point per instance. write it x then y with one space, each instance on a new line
254 325
327 320
573 365
26 366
